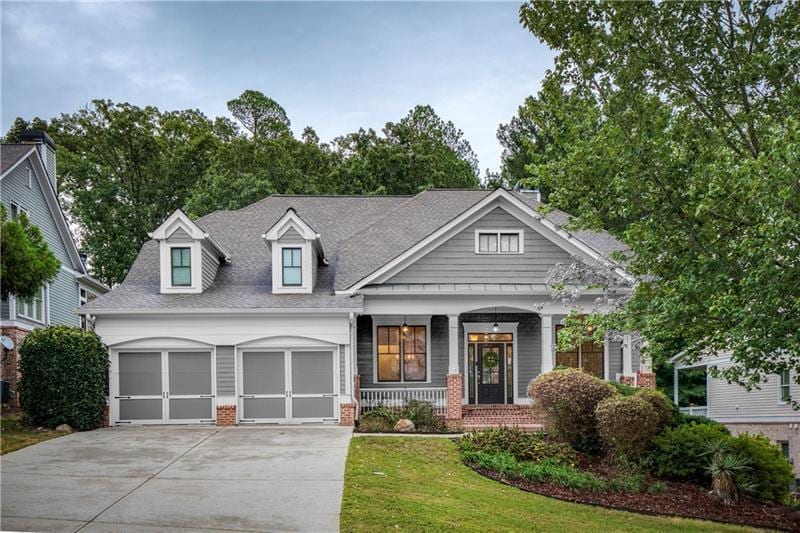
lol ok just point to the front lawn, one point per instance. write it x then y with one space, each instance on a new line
15 434
413 484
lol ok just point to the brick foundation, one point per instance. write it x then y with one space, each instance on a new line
646 380
776 432
9 370
226 415
347 414
628 380
106 416
357 391
455 391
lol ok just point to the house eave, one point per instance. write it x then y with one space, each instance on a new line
223 311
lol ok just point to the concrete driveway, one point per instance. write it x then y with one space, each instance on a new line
178 479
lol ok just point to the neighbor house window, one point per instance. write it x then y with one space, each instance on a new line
83 297
402 353
784 387
16 210
498 242
292 267
32 308
181 267
588 357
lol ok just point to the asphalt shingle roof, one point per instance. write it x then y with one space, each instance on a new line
11 153
384 226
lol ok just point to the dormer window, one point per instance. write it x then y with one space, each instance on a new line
498 241
181 267
292 267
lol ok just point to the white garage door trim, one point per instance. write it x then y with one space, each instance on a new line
287 395
165 396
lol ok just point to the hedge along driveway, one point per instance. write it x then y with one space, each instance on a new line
412 484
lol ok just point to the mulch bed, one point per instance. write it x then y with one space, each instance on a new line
680 499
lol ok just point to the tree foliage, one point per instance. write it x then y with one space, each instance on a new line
26 262
260 115
688 151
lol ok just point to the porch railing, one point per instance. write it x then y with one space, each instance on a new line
698 410
372 398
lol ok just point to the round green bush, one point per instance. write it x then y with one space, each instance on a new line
627 424
665 409
682 452
770 472
64 375
568 399
622 388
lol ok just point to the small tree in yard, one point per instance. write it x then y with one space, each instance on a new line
64 372
26 262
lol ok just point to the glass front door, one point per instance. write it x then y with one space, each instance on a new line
491 379
490 368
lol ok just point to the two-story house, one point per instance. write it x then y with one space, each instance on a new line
28 185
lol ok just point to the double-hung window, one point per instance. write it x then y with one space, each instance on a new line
292 267
498 242
181 267
402 353
784 386
32 308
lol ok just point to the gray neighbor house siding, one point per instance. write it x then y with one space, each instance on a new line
63 291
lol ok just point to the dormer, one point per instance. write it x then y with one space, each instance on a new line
296 253
189 256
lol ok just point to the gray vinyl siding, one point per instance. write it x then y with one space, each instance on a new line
226 375
635 358
64 288
438 350
455 261
291 237
614 359
730 400
528 343
179 236
210 266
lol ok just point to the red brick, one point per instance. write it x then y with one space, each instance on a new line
226 415
454 399
347 414
628 380
9 370
646 379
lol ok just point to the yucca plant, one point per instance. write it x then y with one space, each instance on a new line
727 471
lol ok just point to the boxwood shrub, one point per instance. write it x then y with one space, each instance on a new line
522 445
770 472
64 374
627 424
681 452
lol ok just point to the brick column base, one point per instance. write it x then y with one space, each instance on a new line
646 379
347 414
106 416
226 415
628 380
454 400
9 370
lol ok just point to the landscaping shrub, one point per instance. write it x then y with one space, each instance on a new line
378 420
522 445
627 424
770 473
623 389
423 415
568 399
665 409
682 452
728 470
546 471
64 375
683 419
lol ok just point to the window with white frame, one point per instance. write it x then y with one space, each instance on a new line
292 267
181 266
402 353
785 384
32 308
16 210
498 241
83 297
29 176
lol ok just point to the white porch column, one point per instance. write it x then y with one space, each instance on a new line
627 355
452 346
548 348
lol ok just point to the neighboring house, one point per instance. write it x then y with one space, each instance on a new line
313 308
28 184
767 410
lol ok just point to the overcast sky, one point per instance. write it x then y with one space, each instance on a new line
334 66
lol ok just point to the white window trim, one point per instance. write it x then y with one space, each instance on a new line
486 327
788 385
484 231
305 269
20 209
397 320
29 177
18 305
196 266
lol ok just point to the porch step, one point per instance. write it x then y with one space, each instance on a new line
476 417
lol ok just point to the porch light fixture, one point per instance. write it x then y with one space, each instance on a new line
404 327
495 326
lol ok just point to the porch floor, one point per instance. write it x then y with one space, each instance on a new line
476 417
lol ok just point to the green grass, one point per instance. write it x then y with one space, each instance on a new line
15 434
420 484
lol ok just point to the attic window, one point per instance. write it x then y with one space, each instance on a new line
181 267
498 241
292 267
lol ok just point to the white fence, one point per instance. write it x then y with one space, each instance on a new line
371 398
698 410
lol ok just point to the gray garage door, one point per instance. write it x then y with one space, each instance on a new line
287 386
164 387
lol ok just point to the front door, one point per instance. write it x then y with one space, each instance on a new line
491 382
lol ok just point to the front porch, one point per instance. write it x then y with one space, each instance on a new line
473 367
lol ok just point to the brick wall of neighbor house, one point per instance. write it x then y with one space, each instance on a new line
347 414
226 415
776 432
646 379
9 370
